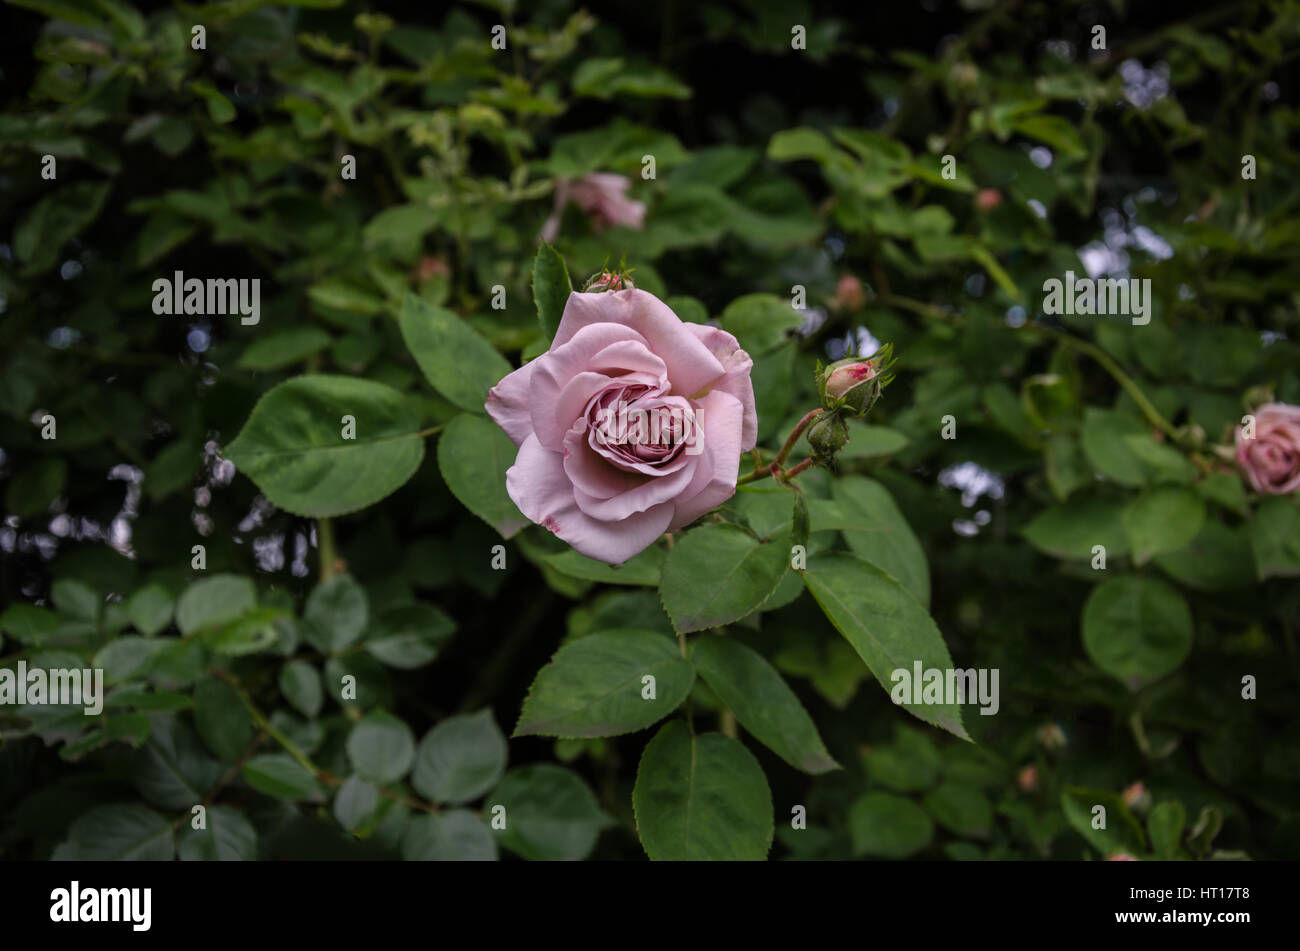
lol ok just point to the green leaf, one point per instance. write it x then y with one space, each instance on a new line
250 633
911 763
283 348
887 826
220 109
886 625
293 448
282 776
355 802
1136 629
701 798
473 456
381 748
229 837
1165 826
717 574
1275 538
301 686
124 657
28 623
606 78
762 701
452 836
221 718
1225 489
173 770
53 221
1219 558
595 686
551 288
1107 448
453 357
761 322
150 609
1121 832
1162 520
409 636
876 531
214 602
1071 531
960 808
1162 463
32 489
643 569
336 613
76 599
120 833
550 814
870 442
460 759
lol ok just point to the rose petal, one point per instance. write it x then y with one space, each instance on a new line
691 367
719 415
736 379
562 365
509 405
540 487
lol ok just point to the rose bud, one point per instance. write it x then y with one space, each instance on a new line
827 436
849 295
851 385
1028 779
986 199
608 281
1136 797
1052 736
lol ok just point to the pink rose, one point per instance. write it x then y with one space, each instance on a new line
602 196
850 295
629 426
1271 461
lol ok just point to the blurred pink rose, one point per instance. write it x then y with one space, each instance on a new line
629 426
602 196
1121 857
850 295
1271 461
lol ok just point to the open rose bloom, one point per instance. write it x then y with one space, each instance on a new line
1271 461
602 196
631 425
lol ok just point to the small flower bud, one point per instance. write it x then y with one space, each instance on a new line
986 199
1027 779
1137 798
850 295
608 281
827 436
1052 736
850 385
